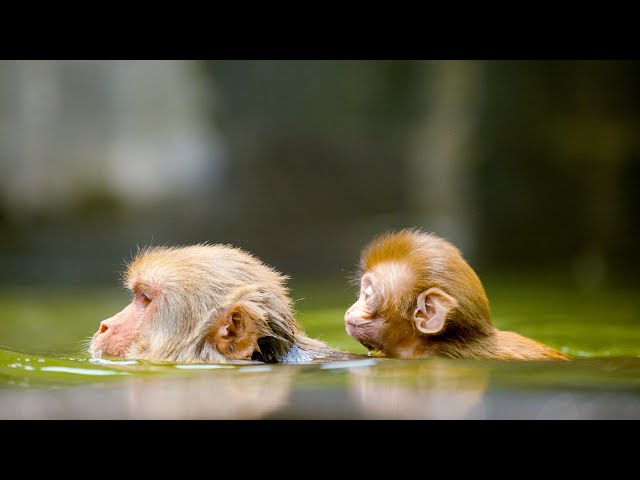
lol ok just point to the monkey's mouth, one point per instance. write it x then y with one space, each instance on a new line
355 330
97 350
352 327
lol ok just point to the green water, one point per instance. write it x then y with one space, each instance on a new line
44 374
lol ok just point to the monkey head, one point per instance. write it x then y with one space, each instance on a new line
416 292
204 303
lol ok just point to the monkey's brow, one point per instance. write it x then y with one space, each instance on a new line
135 286
141 286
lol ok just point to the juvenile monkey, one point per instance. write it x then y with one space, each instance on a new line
206 303
419 298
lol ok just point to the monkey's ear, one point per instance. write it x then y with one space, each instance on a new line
235 333
432 308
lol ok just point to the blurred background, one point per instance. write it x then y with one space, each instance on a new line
530 167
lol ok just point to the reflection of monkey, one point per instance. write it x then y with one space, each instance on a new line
236 393
420 298
224 392
206 303
420 391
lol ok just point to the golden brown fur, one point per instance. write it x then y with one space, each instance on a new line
499 345
431 262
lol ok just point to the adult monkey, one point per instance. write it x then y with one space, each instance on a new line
206 303
419 298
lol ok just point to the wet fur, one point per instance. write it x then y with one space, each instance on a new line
194 285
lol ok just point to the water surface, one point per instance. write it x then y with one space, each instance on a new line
600 329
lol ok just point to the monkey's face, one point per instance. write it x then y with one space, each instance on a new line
377 319
203 303
116 334
364 320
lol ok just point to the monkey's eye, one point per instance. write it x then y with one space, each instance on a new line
146 298
143 297
368 293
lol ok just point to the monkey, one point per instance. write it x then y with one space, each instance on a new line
419 298
206 304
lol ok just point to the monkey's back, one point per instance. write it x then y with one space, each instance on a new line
513 346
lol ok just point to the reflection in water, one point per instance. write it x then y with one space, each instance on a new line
240 393
436 389
33 386
561 407
79 371
244 393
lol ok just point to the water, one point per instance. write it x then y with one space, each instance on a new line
599 328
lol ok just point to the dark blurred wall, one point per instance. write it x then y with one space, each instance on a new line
525 165
318 153
557 163
546 171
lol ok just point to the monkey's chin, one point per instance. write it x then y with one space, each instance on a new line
368 346
352 330
97 352
362 342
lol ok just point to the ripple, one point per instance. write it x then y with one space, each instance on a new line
348 364
201 367
81 371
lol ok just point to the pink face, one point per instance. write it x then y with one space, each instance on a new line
362 321
116 334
